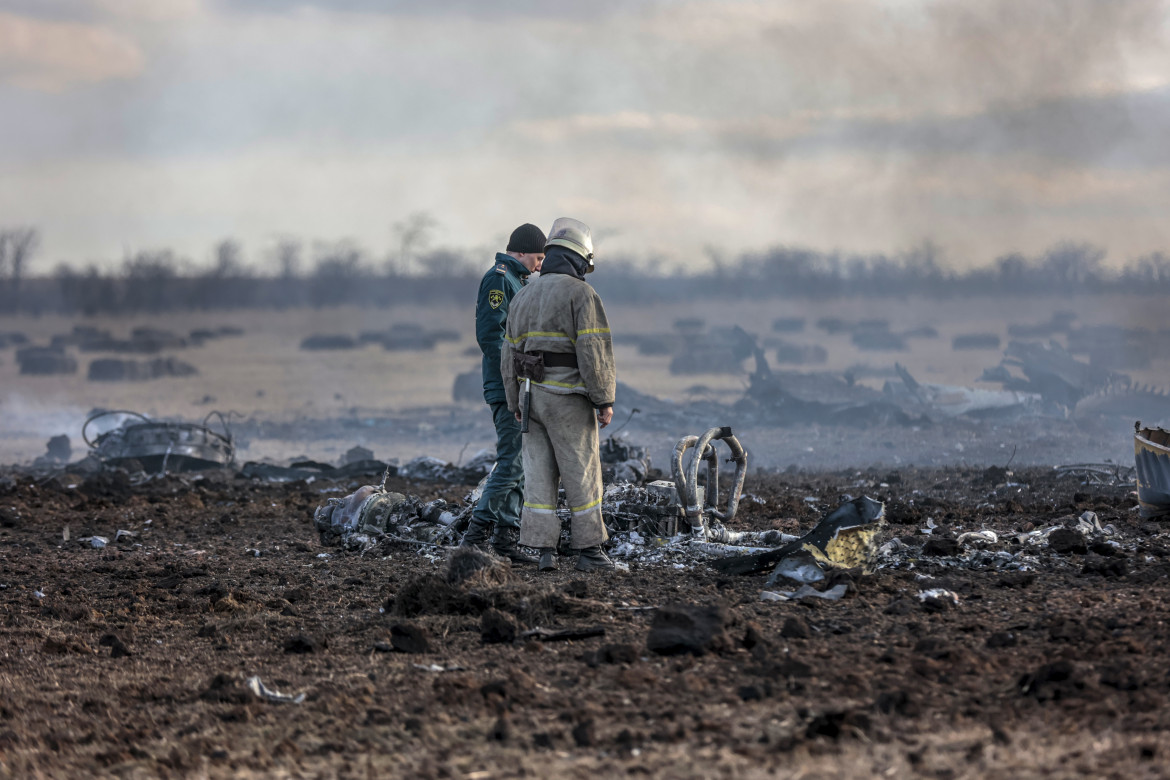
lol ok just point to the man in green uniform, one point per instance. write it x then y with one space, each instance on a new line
499 507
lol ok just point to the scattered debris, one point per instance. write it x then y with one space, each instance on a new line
938 599
59 449
309 470
701 504
794 398
371 515
846 538
437 668
1054 374
1099 473
1152 458
978 537
952 401
159 446
834 593
357 454
624 462
562 635
429 469
262 692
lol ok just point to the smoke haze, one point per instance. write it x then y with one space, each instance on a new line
986 127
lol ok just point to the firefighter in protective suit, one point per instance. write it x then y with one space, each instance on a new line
558 369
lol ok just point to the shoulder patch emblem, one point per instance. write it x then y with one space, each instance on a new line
501 268
495 299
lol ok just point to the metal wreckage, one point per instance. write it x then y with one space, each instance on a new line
682 521
156 446
1151 448
650 522
1038 379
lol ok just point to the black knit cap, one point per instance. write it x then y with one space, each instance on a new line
527 239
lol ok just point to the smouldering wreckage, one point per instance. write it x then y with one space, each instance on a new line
1152 459
685 522
156 446
659 522
1037 379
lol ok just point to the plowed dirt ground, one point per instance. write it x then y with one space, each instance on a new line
131 660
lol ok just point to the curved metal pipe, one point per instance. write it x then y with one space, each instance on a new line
99 415
738 456
711 496
679 476
693 472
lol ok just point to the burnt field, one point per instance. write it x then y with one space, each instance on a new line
133 660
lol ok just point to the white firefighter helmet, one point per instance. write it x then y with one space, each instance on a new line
572 234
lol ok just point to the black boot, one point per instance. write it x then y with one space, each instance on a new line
476 534
505 543
548 559
593 559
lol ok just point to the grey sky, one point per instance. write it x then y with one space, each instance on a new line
985 126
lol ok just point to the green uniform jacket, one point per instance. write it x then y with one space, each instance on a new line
496 291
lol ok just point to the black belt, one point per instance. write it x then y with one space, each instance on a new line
558 359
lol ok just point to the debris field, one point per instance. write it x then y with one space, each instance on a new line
1013 625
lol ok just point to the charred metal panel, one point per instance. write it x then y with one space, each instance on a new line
1151 449
159 445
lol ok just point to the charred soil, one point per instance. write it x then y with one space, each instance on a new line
133 659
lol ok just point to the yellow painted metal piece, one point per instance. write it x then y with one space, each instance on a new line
849 548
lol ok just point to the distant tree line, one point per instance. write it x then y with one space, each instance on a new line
342 273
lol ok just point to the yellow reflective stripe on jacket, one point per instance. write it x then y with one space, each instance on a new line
591 331
545 507
550 383
590 505
566 385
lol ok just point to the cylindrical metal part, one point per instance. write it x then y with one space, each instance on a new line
738 456
679 476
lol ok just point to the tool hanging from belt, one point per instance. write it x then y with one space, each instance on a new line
530 367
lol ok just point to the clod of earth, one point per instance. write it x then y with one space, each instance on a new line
410 638
498 627
689 628
303 643
1065 541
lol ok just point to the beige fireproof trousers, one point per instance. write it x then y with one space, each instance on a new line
561 446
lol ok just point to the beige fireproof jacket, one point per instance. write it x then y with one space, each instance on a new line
560 313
